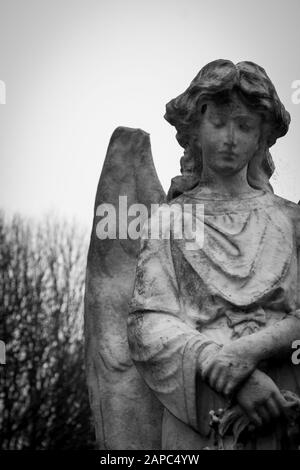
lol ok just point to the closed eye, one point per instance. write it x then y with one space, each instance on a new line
245 127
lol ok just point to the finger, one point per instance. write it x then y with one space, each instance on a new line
206 370
264 414
274 408
215 378
255 418
228 389
223 384
279 401
230 386
220 382
284 408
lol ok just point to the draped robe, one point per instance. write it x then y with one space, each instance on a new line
244 277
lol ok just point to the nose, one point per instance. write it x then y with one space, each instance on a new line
230 135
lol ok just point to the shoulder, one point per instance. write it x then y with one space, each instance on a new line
292 211
289 207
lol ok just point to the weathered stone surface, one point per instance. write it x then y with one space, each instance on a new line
127 415
211 328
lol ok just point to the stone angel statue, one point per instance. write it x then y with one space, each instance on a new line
190 347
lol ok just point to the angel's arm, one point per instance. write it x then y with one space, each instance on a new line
234 363
273 341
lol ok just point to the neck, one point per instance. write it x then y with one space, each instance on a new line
227 184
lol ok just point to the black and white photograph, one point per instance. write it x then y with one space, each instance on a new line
149 228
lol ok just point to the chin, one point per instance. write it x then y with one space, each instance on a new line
227 169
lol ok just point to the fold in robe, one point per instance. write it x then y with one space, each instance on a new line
243 278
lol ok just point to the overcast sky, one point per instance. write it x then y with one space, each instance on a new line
76 69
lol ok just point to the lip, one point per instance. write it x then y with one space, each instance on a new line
228 154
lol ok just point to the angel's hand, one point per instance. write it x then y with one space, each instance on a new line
261 399
227 369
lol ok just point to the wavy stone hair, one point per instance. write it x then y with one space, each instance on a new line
215 82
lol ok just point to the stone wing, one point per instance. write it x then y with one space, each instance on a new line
126 414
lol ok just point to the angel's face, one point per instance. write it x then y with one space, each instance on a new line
228 135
